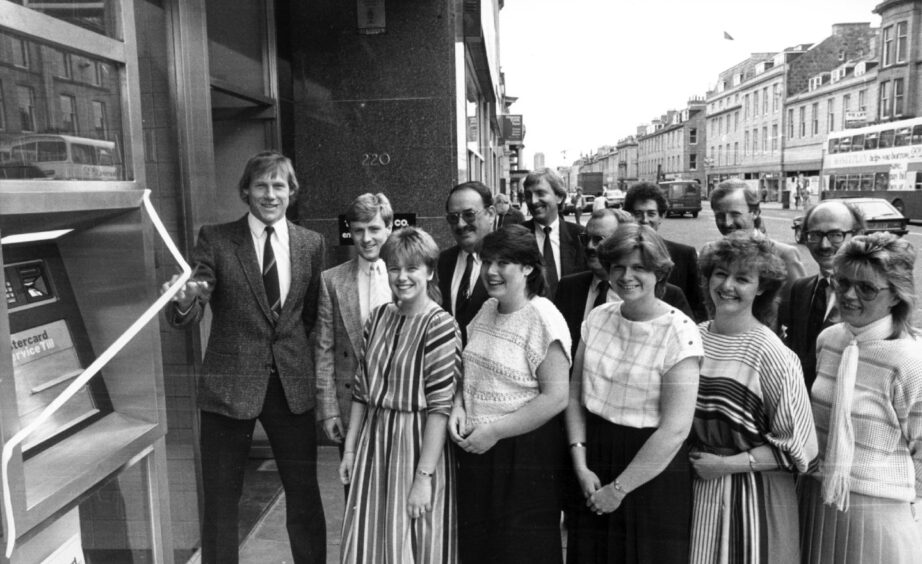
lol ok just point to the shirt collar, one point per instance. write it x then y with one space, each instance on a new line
365 266
554 225
257 227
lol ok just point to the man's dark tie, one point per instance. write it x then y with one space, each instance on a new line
550 264
602 297
271 277
465 286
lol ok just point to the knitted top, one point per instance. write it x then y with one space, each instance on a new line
502 356
886 412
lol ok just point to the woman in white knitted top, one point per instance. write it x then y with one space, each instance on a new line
516 366
861 504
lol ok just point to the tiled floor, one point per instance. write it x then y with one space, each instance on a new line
267 543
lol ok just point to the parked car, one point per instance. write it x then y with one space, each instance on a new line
879 215
614 197
587 203
682 196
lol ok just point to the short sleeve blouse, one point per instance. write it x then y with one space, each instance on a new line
624 362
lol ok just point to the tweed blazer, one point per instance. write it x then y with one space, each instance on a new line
244 342
338 340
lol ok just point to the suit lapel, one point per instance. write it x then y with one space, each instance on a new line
299 268
347 295
249 263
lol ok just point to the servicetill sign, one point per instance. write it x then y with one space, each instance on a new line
401 220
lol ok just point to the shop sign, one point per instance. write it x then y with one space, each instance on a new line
401 220
370 14
513 130
856 118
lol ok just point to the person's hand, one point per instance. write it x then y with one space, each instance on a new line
589 483
707 466
481 439
420 500
346 467
333 429
457 420
605 500
190 291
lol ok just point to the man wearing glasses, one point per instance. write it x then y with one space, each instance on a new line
810 304
470 215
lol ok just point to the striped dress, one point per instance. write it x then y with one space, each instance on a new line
409 369
751 394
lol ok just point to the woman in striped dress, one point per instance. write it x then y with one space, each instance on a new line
401 504
753 425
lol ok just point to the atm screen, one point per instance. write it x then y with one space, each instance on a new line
49 344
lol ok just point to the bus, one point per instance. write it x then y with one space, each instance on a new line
877 161
66 157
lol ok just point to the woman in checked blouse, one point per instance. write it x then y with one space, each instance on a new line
401 505
753 426
863 502
632 400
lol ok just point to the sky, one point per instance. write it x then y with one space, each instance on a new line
588 72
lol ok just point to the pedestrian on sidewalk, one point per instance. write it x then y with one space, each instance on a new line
401 504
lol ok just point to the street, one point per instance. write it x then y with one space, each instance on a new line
696 232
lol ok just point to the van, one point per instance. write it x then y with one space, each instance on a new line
65 157
682 197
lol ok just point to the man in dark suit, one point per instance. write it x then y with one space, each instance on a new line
505 213
578 293
260 275
809 305
557 239
470 215
646 203
348 294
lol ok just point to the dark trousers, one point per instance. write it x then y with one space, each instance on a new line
225 444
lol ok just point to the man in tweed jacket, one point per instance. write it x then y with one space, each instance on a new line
257 363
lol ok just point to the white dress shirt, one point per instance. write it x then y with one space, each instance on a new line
555 241
374 289
460 265
280 247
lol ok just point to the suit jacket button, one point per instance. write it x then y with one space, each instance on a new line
348 386
345 354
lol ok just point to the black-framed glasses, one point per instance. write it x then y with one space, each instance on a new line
469 216
835 236
865 290
585 239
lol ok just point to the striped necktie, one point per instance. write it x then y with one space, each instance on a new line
271 277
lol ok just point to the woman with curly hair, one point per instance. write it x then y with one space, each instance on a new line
753 428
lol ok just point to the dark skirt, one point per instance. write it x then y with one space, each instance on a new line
653 522
509 500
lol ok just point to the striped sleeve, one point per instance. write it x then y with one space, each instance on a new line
442 362
791 429
360 380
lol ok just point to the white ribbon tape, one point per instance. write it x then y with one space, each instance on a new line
91 370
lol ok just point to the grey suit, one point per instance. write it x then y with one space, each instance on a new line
338 340
255 368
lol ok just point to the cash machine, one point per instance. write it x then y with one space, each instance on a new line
87 483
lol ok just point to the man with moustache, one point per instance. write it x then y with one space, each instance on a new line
505 213
557 239
810 304
260 275
348 294
736 206
470 215
648 205
578 293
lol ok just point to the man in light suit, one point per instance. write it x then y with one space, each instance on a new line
261 277
470 215
558 240
647 204
809 306
348 293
